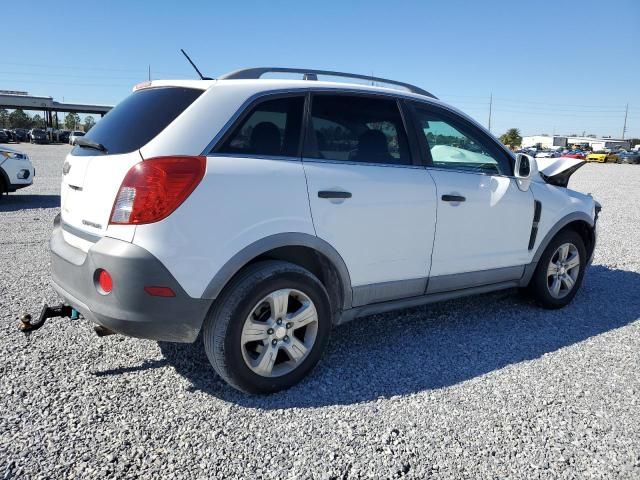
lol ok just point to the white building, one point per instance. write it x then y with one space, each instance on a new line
557 141
544 141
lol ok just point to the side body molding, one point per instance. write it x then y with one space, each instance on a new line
290 239
559 225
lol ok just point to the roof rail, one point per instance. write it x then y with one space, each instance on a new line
310 74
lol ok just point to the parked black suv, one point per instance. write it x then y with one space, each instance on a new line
39 136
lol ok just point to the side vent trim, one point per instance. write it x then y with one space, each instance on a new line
534 227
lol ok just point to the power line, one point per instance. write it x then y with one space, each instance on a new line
38 82
70 75
83 68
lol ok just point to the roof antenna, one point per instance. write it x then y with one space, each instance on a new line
202 77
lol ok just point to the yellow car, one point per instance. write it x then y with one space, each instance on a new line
602 157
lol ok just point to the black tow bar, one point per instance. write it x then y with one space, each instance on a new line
27 325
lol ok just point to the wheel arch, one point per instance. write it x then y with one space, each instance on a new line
579 222
307 251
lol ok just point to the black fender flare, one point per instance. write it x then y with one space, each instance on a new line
5 180
289 239
559 225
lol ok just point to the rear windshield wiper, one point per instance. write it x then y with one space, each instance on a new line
85 142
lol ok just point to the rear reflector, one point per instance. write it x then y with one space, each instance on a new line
154 188
105 283
159 291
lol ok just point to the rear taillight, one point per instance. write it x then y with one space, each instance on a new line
154 188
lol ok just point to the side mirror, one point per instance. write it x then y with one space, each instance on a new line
524 170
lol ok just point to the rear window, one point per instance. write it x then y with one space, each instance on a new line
357 129
272 128
138 118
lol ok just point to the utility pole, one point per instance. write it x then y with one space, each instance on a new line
149 72
490 104
624 128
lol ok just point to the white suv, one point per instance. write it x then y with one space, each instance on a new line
16 170
262 212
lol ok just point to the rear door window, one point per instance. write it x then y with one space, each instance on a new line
270 128
355 128
138 118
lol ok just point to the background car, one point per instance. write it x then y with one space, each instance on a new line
73 136
629 157
22 134
16 170
12 136
547 154
574 154
602 157
4 138
39 136
63 136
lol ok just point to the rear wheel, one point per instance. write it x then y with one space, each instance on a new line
560 270
269 327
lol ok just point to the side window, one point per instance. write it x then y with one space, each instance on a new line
357 129
271 128
453 146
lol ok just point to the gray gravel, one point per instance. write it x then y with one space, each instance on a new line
479 388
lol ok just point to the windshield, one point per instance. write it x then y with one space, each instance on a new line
140 117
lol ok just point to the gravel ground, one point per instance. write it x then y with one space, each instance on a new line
484 387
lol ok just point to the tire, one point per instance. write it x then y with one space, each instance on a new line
542 283
250 293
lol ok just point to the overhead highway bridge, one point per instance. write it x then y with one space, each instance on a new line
47 105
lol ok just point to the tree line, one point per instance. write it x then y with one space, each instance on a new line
19 119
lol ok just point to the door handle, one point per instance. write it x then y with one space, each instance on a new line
333 194
453 198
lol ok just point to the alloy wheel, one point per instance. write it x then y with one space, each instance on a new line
563 270
279 333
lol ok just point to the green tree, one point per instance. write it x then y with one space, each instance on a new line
71 121
37 121
88 123
511 137
19 119
4 118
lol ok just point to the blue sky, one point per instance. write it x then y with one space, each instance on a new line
552 66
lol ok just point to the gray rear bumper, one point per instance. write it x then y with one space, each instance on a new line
128 309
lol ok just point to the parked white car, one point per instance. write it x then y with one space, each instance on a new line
261 213
74 136
16 170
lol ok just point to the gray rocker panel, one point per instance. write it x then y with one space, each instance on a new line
458 281
381 292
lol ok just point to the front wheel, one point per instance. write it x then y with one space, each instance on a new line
268 328
560 270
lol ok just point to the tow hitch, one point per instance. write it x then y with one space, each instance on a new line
27 325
